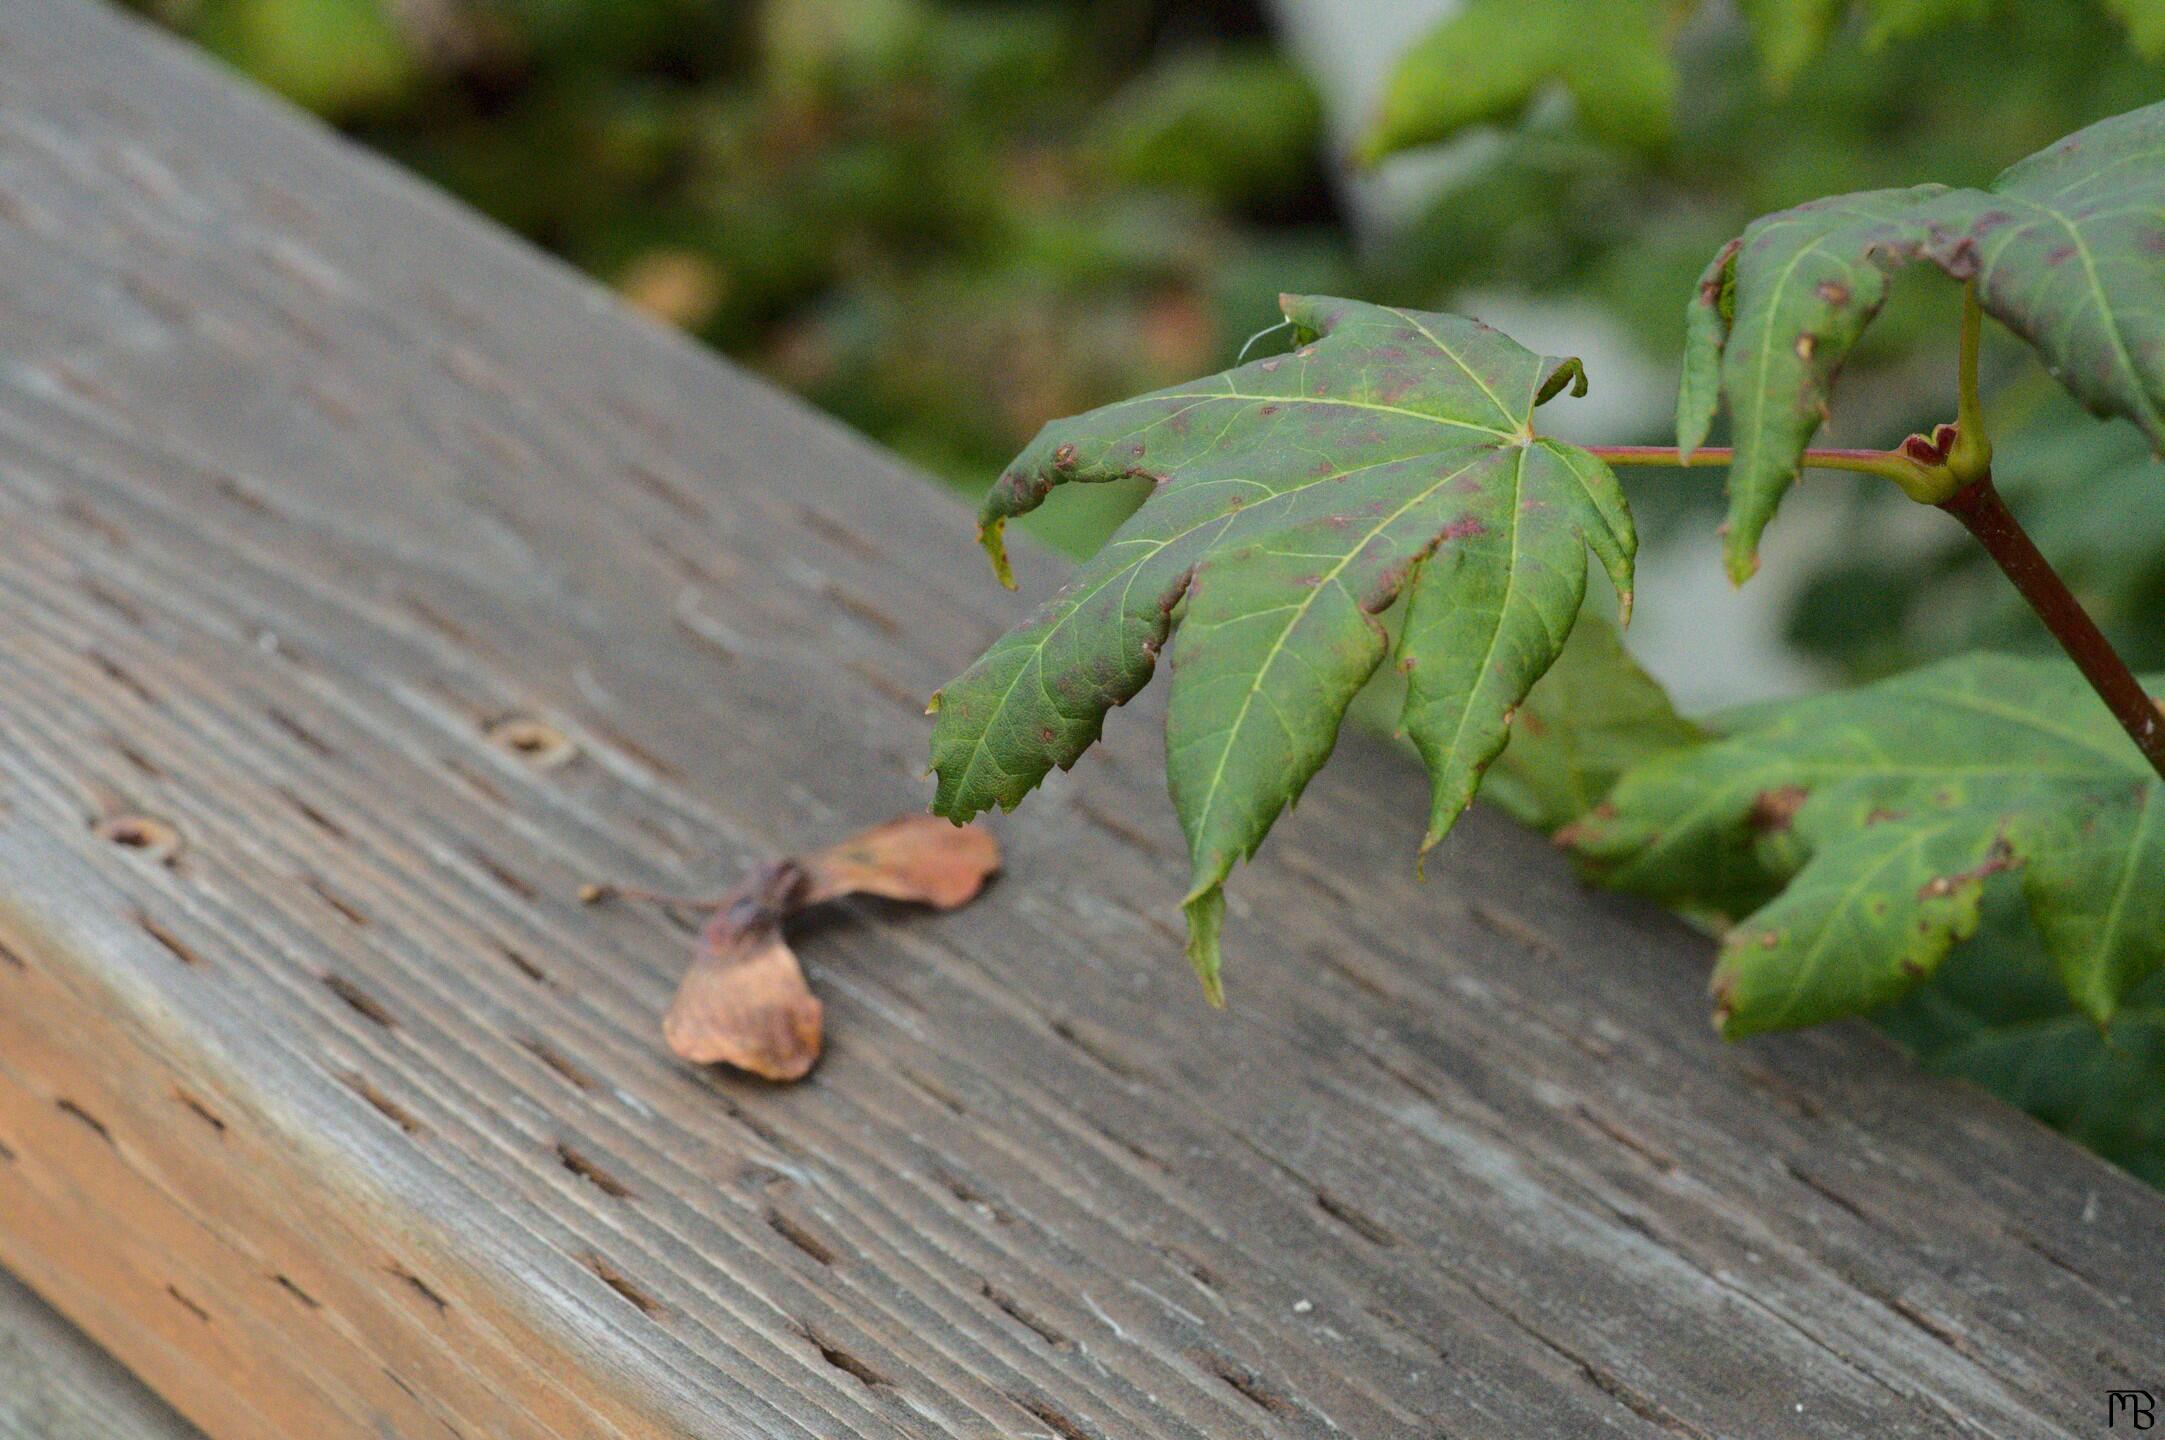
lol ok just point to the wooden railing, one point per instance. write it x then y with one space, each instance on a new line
327 1108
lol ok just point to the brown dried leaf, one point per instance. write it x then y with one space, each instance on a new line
744 1001
917 857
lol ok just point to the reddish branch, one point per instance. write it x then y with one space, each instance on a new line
1985 515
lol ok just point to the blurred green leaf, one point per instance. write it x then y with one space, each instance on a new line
2145 21
809 44
1996 1014
1493 57
1593 716
337 57
1235 126
1789 34
1891 20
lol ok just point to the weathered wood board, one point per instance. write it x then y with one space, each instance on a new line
55 1385
345 1119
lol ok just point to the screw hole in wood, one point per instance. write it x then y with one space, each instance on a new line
157 840
538 743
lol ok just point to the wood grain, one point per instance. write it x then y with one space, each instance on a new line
410 583
55 1385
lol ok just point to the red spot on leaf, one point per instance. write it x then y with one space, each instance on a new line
1773 811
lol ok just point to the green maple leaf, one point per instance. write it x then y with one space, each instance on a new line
2066 248
1874 819
1298 497
1593 716
1492 57
1996 1014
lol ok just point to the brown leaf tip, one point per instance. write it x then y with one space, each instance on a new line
1722 991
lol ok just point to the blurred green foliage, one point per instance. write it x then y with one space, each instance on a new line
948 221
945 223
